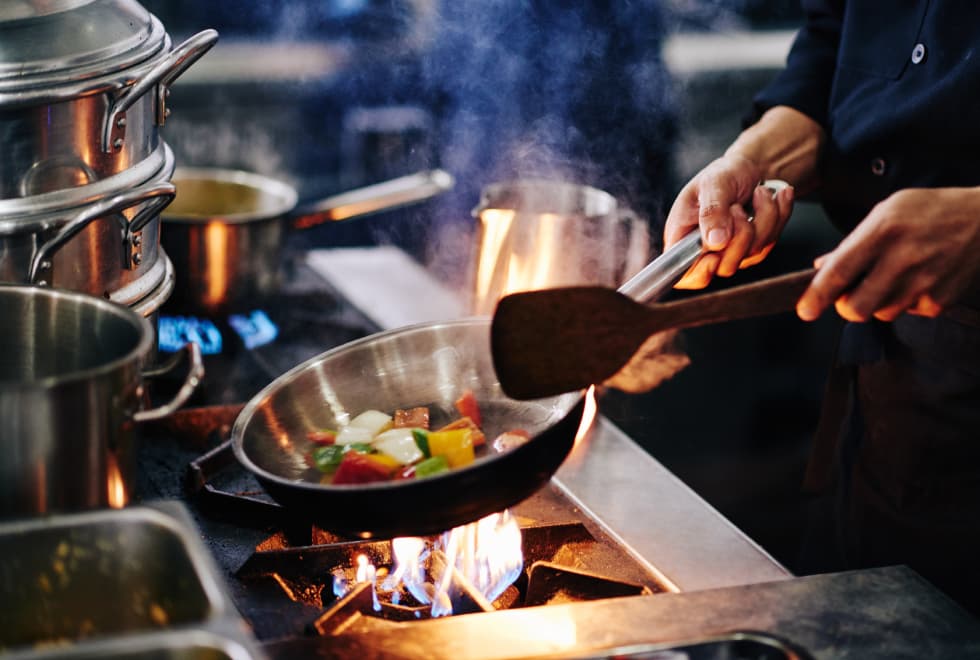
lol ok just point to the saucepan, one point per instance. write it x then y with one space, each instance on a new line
429 364
225 228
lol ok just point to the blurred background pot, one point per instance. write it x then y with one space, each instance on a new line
225 229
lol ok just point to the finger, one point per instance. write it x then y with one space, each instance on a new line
714 214
738 247
829 284
926 305
701 273
846 311
837 273
766 218
683 216
784 201
757 257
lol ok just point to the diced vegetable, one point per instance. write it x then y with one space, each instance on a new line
377 447
374 421
327 458
456 446
510 439
357 468
467 407
422 441
467 423
412 418
322 437
351 434
431 466
399 443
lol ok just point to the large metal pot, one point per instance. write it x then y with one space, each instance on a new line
225 229
101 238
538 234
83 87
72 378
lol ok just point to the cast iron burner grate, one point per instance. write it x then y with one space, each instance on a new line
285 585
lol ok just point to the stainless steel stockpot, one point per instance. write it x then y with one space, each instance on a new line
72 376
83 88
101 238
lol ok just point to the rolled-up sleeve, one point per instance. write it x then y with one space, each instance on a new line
805 83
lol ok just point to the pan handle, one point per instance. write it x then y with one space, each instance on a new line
661 274
195 372
375 198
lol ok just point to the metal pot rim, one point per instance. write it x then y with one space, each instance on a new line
546 196
286 195
143 347
21 214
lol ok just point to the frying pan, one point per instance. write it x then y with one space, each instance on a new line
427 364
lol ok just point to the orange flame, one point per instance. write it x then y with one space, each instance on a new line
216 236
116 495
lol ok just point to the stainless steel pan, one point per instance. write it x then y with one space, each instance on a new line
428 364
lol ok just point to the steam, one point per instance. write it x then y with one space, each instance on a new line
573 92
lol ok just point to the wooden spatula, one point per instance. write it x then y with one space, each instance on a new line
559 340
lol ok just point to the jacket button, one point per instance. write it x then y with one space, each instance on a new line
878 166
918 53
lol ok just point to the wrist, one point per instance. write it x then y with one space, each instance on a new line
784 144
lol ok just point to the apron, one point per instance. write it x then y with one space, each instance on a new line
896 461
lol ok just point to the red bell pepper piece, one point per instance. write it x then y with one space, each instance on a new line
357 468
322 437
467 407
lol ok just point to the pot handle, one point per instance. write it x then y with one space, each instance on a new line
161 76
375 198
195 372
158 194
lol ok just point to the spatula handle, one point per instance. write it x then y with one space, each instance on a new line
768 296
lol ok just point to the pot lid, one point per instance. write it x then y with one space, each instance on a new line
51 42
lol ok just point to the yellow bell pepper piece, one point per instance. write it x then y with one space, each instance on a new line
385 460
455 445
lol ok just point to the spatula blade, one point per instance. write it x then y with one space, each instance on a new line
563 339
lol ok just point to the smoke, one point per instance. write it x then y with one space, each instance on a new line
573 92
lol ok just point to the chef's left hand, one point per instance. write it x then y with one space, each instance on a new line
917 251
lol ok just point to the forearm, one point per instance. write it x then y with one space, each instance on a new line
784 144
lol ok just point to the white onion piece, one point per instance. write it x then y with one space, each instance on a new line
400 445
351 434
374 421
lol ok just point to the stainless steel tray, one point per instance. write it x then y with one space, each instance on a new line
129 583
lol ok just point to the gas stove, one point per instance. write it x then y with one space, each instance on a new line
621 559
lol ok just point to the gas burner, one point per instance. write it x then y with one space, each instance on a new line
288 581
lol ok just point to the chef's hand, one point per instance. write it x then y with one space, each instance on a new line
915 252
713 203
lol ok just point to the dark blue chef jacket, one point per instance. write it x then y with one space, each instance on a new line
896 85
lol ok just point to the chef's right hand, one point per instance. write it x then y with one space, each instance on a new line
713 203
